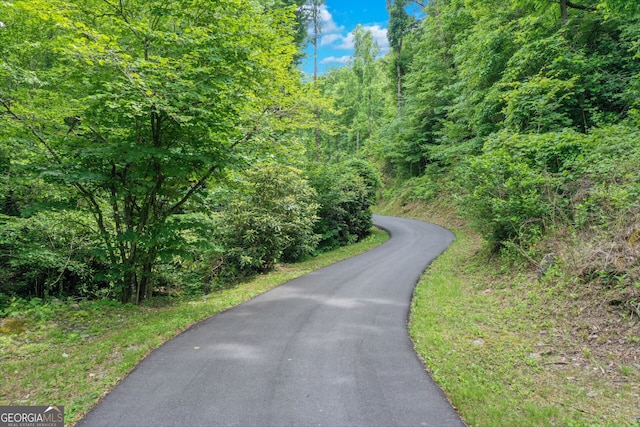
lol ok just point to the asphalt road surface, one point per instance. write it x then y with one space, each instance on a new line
328 349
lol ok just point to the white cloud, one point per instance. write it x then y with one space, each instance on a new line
329 26
334 60
338 41
379 35
335 39
347 42
329 39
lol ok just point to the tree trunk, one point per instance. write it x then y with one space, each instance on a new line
564 11
370 112
399 74
146 281
317 132
314 41
129 288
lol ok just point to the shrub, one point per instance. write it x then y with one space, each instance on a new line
608 187
517 188
270 218
346 193
524 183
368 173
47 254
423 188
504 199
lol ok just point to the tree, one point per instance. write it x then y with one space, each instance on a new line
357 92
139 104
299 31
430 123
313 11
400 24
365 69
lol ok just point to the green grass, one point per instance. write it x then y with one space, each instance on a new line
509 350
73 354
497 345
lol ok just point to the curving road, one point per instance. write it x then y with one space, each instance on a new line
328 349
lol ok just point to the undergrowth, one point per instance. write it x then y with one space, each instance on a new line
514 344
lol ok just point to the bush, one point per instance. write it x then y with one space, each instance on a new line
504 199
270 218
523 184
517 188
423 188
368 173
608 187
189 267
47 254
346 193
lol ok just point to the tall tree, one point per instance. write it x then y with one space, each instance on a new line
140 104
400 23
365 68
314 11
299 31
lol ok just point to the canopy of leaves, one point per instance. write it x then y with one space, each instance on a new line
499 102
136 106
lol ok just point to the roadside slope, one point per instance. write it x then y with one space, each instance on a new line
509 349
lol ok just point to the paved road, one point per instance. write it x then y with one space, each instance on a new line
328 349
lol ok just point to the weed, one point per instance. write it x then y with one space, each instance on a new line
627 370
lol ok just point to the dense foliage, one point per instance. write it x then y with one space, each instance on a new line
149 145
346 192
525 111
127 128
270 218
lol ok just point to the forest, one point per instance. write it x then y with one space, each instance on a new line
155 150
160 147
175 147
523 113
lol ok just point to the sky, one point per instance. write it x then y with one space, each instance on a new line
339 19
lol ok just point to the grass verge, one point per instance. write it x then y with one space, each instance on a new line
508 350
73 354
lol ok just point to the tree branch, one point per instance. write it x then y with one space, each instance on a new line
198 185
33 131
119 10
581 7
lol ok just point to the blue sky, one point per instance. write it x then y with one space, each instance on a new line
339 19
